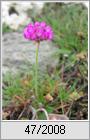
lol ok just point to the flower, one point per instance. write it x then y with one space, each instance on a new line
38 31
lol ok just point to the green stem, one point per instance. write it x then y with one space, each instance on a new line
36 70
62 106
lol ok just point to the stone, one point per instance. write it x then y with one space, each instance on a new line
18 54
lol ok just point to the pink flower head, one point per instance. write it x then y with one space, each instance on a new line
38 31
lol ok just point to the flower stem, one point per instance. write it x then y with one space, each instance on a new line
36 70
62 106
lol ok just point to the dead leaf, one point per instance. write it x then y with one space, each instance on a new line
80 34
20 99
81 55
56 88
5 114
48 98
75 95
25 82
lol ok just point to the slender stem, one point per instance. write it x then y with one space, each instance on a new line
36 70
62 106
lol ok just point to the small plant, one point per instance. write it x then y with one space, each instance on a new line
37 32
63 90
6 28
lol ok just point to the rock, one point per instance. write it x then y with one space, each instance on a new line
18 54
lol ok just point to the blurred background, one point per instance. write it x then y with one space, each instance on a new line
17 14
64 59
68 20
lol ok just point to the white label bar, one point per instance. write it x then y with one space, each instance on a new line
44 130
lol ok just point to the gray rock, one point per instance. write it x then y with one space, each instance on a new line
18 54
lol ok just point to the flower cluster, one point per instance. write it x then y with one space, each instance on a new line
38 31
